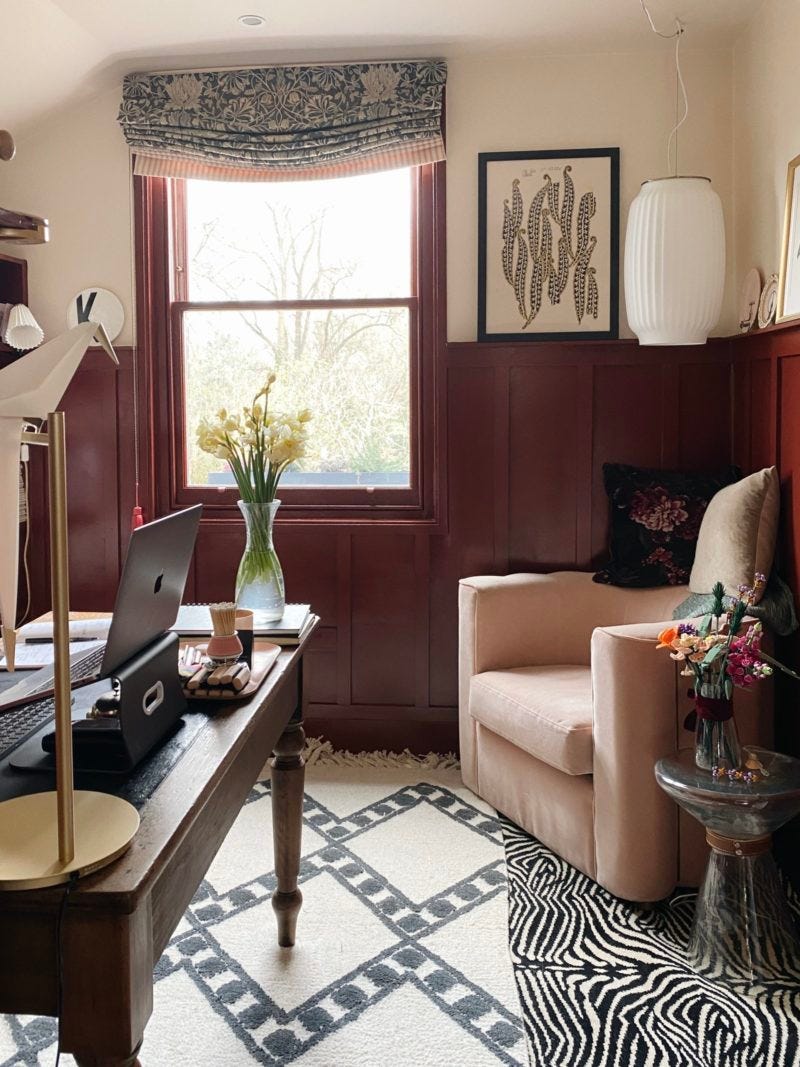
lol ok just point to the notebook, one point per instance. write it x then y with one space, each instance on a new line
194 620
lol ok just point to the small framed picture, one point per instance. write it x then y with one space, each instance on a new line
789 278
548 245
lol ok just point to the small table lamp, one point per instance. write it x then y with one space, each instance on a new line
47 838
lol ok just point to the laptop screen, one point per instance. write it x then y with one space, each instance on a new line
152 583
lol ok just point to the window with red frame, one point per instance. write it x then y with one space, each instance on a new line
329 284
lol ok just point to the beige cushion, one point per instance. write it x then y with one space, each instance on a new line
738 533
547 711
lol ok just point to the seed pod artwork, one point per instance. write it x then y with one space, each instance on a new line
528 263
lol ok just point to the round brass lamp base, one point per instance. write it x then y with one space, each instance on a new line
104 827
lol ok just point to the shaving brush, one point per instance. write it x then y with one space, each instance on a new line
224 646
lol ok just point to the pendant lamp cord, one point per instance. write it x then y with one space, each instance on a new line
677 35
136 515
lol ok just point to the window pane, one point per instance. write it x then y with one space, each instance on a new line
333 239
350 367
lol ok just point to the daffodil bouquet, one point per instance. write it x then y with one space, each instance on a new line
257 444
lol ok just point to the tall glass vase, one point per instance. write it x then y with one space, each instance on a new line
716 741
259 580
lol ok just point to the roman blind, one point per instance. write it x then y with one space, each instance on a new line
284 123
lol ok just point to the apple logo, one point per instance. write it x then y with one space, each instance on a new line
158 581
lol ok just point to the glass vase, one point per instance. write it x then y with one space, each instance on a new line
716 741
259 580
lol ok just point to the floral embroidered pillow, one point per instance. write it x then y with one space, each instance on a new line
655 520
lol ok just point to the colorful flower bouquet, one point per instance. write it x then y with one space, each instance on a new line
258 447
718 657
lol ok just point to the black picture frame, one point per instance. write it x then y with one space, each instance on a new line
485 159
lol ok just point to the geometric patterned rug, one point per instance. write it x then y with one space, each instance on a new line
605 983
401 955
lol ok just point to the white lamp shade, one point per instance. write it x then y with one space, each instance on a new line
675 262
23 331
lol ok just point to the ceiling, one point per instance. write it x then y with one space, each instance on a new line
57 51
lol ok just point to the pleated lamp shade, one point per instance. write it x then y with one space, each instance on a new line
674 261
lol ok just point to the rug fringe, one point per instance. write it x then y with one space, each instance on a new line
321 753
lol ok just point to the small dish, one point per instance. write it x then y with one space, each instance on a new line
749 296
768 302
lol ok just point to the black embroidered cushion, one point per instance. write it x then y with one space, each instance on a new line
655 520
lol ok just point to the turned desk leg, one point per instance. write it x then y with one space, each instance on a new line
288 779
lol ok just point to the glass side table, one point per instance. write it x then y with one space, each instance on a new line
743 930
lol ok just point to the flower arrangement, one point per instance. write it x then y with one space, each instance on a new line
257 444
714 653
719 658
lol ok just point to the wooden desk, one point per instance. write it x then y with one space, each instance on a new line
118 921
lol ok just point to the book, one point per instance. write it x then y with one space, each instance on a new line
194 620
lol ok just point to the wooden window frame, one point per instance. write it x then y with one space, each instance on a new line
159 214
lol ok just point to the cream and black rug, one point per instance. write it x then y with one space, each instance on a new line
605 983
402 954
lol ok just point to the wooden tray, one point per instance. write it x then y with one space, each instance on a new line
264 658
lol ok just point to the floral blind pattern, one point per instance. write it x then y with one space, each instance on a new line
283 123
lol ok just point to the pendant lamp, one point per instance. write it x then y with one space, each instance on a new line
674 251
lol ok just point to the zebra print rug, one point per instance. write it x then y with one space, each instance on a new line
604 983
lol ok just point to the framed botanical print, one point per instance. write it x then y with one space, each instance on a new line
548 245
788 306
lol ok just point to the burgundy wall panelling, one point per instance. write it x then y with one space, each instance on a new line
528 429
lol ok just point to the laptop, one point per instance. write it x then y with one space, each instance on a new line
148 597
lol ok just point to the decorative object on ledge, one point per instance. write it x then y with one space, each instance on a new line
50 837
768 302
97 305
548 245
258 446
7 147
749 296
23 229
788 306
674 248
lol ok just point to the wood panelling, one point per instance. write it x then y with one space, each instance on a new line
527 430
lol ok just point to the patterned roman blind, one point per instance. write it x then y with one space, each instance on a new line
284 123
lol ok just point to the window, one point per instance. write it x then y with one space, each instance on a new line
328 283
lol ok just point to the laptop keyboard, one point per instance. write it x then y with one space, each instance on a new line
17 724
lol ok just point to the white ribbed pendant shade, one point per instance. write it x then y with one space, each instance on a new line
674 262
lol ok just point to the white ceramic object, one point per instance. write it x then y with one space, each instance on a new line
674 261
23 331
768 303
749 296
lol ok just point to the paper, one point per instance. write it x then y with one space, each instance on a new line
31 657
97 629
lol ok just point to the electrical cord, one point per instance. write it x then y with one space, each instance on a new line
677 34
60 959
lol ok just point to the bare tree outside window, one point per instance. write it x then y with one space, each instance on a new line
344 245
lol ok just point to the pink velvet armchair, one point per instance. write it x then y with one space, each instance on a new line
564 707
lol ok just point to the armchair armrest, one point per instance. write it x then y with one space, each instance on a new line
525 620
636 698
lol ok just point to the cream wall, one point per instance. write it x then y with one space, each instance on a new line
766 131
517 102
74 168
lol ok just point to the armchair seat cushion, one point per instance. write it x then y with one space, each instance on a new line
546 711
